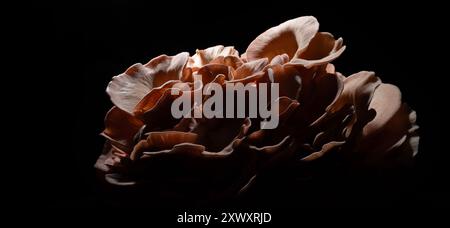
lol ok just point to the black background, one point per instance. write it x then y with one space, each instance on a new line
76 49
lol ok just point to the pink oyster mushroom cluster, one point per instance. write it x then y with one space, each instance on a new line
321 112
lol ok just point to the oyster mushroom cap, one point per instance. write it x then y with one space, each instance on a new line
358 90
210 71
280 59
120 126
249 68
298 40
322 49
203 57
289 37
393 122
161 141
230 60
128 88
